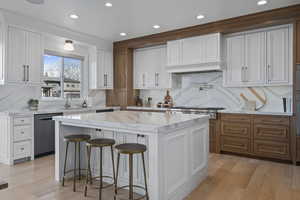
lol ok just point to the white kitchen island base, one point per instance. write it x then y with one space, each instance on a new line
177 154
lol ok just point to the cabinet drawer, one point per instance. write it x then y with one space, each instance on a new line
271 132
236 145
274 120
236 118
271 149
235 129
22 120
22 149
22 133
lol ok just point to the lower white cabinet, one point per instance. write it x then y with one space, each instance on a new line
150 69
16 139
259 58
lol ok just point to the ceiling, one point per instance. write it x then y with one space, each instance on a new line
136 17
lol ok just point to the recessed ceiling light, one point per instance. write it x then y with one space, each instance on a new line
108 4
200 16
156 26
262 2
35 1
123 34
74 16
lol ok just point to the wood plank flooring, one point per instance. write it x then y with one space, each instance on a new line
230 178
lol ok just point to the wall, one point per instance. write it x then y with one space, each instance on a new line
15 97
218 96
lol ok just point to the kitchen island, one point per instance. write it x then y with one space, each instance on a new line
177 154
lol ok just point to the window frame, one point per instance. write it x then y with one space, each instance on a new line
64 55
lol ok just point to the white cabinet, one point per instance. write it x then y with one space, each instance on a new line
278 56
24 56
16 139
174 52
234 74
101 73
259 58
254 70
200 53
150 69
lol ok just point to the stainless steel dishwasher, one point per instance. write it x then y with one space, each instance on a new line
44 134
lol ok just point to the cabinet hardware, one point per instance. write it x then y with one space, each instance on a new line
139 135
143 80
22 149
242 74
22 132
269 73
24 73
27 73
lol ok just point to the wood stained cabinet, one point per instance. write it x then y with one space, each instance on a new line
298 43
264 136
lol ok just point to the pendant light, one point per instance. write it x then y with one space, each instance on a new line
69 46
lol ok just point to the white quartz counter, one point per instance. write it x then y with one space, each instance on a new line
56 110
221 111
131 121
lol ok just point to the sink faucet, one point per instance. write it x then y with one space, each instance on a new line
68 103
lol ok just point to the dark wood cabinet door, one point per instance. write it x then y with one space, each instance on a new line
235 145
271 149
235 129
271 132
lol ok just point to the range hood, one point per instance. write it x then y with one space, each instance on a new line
195 54
205 67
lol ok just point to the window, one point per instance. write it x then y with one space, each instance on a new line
61 76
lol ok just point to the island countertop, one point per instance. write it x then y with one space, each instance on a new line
131 120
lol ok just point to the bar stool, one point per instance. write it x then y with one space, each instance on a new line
76 139
130 149
99 143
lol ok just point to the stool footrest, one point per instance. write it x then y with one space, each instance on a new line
108 185
134 186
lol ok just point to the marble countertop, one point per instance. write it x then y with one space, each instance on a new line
130 120
221 111
57 110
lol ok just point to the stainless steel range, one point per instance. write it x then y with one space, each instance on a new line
211 111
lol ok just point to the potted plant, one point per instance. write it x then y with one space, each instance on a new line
33 104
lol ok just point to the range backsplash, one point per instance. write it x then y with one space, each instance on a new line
214 94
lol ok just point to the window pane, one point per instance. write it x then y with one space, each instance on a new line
51 86
72 77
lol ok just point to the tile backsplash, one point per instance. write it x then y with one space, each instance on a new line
206 89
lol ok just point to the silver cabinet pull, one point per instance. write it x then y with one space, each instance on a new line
143 80
242 74
27 73
156 79
269 74
245 74
24 73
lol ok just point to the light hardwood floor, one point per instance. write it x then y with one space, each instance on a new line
230 178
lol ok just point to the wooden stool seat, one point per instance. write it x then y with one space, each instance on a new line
131 148
77 138
101 142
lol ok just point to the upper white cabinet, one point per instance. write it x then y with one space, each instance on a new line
24 56
101 72
150 69
259 58
279 57
200 53
2 50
